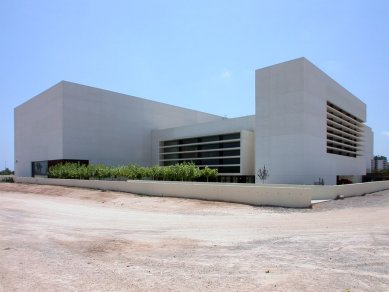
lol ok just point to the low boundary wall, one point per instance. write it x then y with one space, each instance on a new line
260 195
350 190
294 196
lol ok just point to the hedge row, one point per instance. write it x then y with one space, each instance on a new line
178 172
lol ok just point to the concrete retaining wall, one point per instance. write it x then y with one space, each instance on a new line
259 195
331 192
294 196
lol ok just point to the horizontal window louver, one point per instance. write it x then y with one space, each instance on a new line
217 151
344 132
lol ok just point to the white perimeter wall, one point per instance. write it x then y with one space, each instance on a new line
331 192
236 193
296 196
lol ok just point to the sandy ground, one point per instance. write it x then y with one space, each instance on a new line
69 239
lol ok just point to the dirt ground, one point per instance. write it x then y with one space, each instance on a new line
68 239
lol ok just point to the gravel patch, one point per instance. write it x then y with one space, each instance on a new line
68 239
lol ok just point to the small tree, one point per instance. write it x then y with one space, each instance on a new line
263 174
209 173
6 171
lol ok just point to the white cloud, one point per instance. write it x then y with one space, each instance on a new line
386 134
226 74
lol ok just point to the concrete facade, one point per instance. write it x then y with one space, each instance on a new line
38 130
292 121
243 125
379 163
72 121
306 127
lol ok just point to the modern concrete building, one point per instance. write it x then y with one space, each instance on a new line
379 163
76 122
306 127
226 144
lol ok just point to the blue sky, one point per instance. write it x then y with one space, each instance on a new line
193 53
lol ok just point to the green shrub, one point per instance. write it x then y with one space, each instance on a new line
208 173
6 171
8 179
186 171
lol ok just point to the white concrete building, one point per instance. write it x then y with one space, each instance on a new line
226 144
379 163
306 126
76 122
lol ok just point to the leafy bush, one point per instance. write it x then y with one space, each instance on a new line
209 173
186 171
8 179
6 171
70 170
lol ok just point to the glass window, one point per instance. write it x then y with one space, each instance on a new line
209 138
171 156
231 144
209 154
231 161
188 148
167 163
230 136
229 169
189 141
168 150
40 168
188 155
209 146
210 162
230 153
170 143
